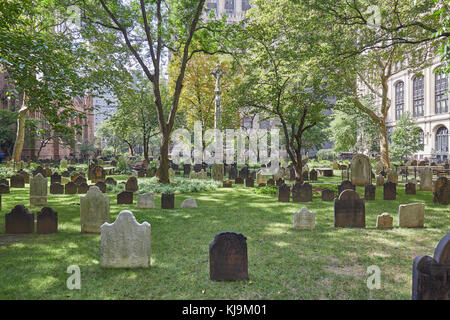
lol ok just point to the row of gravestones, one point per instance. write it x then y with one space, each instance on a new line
20 220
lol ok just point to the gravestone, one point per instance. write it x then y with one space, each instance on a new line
305 175
302 192
441 191
380 180
38 190
101 185
111 181
260 178
243 173
46 221
82 188
56 188
345 185
280 182
411 215
167 201
392 176
369 192
349 210
125 197
327 195
410 188
361 170
270 182
98 174
94 210
70 188
146 201
217 171
186 169
4 181
141 173
228 257
17 181
189 203
19 220
389 191
227 184
249 182
313 175
80 180
426 180
25 175
55 178
239 180
233 173
304 219
132 184
431 276
284 193
4 188
385 221
40 170
125 243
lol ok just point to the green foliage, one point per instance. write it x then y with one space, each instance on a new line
271 190
178 185
8 121
326 154
406 138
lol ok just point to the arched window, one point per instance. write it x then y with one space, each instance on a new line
441 87
399 99
442 140
422 138
418 96
229 6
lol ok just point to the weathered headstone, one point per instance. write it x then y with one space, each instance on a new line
217 171
431 280
56 188
361 170
392 176
327 195
189 203
227 184
349 210
385 221
389 191
17 181
55 178
38 190
101 185
284 193
313 175
441 191
270 182
98 174
302 192
40 170
369 192
25 175
233 173
146 201
70 188
125 243
380 180
249 182
111 181
305 175
186 169
239 180
243 173
410 188
260 178
82 188
132 184
304 219
46 221
426 179
125 197
167 201
79 180
228 257
94 210
345 185
19 220
411 215
4 188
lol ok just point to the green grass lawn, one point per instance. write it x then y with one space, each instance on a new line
283 263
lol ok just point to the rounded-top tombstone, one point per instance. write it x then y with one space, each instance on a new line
361 170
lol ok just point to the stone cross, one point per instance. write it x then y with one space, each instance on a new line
217 73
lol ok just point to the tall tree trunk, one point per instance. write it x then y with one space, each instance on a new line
146 150
384 145
20 134
164 161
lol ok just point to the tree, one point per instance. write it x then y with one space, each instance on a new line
147 29
110 138
406 138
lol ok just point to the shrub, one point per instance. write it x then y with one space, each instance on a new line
326 154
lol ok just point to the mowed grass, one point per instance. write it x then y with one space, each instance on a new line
283 263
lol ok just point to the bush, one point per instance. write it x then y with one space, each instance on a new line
326 154
179 185
272 190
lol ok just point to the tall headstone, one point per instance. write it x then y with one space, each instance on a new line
369 192
361 170
38 190
228 257
426 179
349 210
302 192
392 176
125 243
284 193
441 191
132 184
217 171
304 219
94 210
410 188
19 220
167 201
389 191
46 221
17 181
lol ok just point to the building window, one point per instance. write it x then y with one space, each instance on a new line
442 140
211 5
229 6
418 96
441 87
399 99
422 138
245 5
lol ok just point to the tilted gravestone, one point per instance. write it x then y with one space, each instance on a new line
55 178
327 195
56 188
125 197
411 215
426 179
17 181
46 221
167 201
410 188
369 192
349 210
101 185
361 170
146 201
302 192
111 181
345 185
82 188
284 193
249 182
125 243
304 219
313 175
70 188
132 184
94 210
19 220
385 221
389 191
38 190
441 191
228 257
431 276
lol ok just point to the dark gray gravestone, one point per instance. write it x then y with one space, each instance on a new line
47 221
233 173
79 180
302 192
389 191
125 197
132 184
345 185
56 188
102 186
327 195
19 220
270 182
167 201
40 170
280 182
186 169
369 192
239 180
349 210
249 182
431 276
284 193
4 188
82 188
313 175
17 181
55 178
410 188
305 175
441 191
228 257
243 173
70 188
111 181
